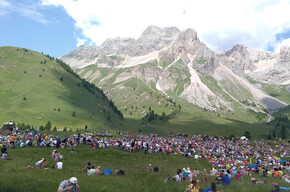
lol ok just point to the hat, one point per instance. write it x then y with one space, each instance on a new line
73 180
98 167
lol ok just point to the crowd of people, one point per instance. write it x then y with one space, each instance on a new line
230 158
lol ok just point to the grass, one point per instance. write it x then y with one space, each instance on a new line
14 175
23 76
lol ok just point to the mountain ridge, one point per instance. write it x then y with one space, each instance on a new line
172 62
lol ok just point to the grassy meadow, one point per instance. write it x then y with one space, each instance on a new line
35 89
15 177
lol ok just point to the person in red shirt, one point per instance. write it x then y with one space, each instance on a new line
238 175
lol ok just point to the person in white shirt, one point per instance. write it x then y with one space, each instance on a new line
59 164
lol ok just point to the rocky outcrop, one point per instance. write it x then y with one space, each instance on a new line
263 66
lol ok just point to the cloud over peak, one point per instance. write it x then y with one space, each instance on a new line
220 24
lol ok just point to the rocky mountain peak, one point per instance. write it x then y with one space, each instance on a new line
154 32
238 49
152 39
84 51
188 34
186 42
112 46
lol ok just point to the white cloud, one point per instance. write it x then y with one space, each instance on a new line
220 24
4 5
284 43
29 11
80 41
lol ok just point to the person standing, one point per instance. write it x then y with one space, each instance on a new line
12 141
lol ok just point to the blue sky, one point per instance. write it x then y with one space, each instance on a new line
52 32
57 27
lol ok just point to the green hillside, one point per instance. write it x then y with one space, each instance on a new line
36 89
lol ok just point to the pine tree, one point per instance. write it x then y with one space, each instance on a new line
48 126
283 132
248 134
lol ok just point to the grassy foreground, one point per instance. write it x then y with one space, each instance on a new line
15 177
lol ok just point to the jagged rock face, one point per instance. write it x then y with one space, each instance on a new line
174 63
112 46
83 56
241 58
261 66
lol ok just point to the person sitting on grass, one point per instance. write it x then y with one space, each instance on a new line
193 187
238 175
212 188
226 180
176 177
98 170
275 173
69 185
149 168
196 172
4 155
92 171
59 164
156 169
275 187
4 149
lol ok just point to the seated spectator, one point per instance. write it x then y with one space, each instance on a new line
269 173
226 180
4 156
193 187
176 177
196 172
92 171
98 170
275 173
156 169
149 168
59 164
238 175
275 187
280 172
212 188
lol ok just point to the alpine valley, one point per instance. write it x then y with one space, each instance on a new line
166 81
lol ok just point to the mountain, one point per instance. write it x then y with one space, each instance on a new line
262 66
37 88
166 69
